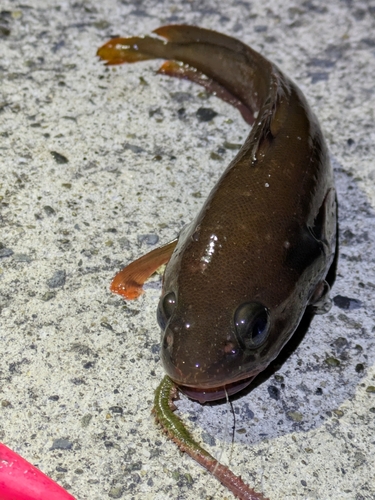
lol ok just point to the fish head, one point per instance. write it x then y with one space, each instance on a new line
223 327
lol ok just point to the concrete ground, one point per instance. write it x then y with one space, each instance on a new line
100 165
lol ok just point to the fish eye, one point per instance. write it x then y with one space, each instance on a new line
166 307
252 324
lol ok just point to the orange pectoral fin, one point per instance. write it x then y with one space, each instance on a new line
130 280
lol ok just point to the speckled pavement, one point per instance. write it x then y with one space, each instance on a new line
97 166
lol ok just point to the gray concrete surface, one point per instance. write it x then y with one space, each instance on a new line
78 365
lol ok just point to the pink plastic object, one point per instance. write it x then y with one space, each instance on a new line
19 480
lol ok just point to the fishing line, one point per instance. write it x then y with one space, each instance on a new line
229 409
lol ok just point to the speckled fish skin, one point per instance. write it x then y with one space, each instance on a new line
256 238
266 234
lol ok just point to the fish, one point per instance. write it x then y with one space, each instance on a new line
239 277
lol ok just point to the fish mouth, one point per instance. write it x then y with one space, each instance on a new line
203 395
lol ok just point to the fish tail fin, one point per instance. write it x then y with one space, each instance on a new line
243 73
128 50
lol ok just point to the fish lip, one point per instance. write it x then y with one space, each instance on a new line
205 394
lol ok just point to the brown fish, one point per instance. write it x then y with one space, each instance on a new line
240 276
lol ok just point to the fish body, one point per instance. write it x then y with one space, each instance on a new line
240 276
